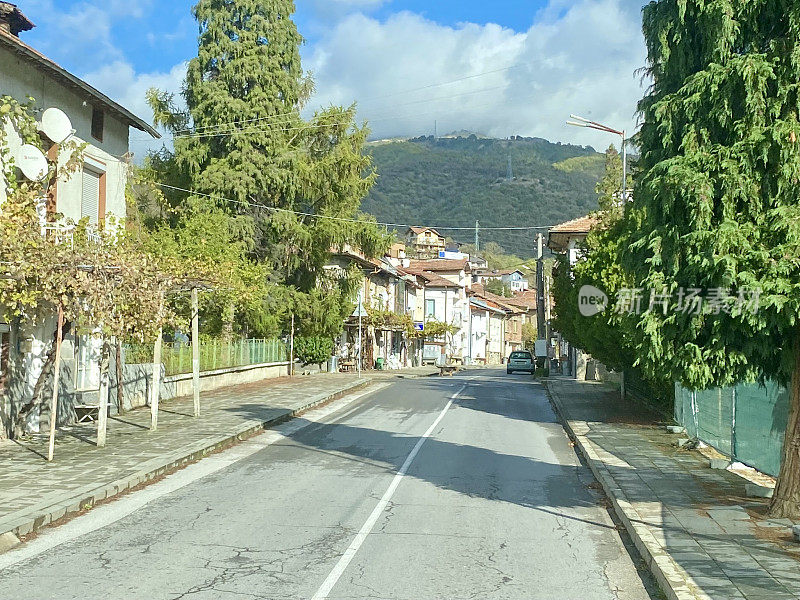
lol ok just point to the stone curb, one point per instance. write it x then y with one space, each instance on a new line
672 579
31 519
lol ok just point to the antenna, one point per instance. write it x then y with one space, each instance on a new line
31 162
56 125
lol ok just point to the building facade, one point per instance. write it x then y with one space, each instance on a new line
95 192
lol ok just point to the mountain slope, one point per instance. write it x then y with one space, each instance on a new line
454 182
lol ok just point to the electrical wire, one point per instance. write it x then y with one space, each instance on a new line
343 219
400 93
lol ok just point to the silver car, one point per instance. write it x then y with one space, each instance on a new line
521 360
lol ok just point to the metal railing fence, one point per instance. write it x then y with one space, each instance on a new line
214 354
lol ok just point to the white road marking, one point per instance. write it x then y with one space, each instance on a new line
369 524
110 513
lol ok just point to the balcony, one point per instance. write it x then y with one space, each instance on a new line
65 234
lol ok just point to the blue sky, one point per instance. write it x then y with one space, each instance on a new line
521 65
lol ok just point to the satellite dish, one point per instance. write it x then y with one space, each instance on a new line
32 162
56 125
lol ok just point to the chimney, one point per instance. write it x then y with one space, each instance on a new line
12 20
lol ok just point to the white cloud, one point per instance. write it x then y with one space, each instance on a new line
577 57
120 82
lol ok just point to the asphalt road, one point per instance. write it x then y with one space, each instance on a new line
445 488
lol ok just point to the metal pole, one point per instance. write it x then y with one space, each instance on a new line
358 347
195 352
56 376
540 321
733 424
291 349
624 168
102 413
155 391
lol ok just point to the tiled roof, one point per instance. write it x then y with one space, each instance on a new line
440 265
524 301
432 279
419 230
579 225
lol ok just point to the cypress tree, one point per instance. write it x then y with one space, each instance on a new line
718 199
243 143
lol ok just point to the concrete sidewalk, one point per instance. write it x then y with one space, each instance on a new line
696 529
34 493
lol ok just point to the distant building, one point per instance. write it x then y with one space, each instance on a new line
567 237
514 278
425 242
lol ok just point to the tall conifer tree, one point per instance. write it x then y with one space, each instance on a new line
719 198
243 143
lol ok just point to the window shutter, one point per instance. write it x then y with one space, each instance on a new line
90 198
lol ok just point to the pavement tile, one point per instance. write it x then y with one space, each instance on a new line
675 506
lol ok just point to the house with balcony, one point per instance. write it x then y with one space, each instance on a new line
424 242
447 283
96 193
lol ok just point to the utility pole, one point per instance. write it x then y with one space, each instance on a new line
477 237
540 317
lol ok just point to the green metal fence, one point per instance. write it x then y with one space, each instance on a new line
214 354
746 422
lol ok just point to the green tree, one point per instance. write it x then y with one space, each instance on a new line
291 188
718 199
606 336
496 286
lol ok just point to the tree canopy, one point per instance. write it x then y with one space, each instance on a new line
290 188
717 200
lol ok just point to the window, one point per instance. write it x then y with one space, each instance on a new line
88 362
430 308
93 195
98 124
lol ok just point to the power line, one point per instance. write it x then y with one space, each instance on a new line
343 219
270 118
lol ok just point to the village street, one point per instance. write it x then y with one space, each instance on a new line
462 487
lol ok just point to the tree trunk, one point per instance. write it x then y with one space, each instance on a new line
120 389
786 500
36 397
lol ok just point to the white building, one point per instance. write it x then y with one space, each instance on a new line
515 279
96 192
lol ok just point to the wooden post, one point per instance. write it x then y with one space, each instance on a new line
195 352
56 375
102 411
291 349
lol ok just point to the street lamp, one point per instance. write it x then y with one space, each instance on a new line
586 123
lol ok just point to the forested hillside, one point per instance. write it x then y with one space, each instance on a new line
456 181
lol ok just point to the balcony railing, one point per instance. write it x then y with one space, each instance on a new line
65 234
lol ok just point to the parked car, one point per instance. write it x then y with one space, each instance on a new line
521 360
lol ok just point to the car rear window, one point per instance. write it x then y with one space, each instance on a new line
521 355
